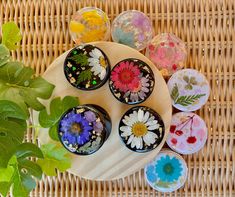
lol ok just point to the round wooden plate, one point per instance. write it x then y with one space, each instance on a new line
113 160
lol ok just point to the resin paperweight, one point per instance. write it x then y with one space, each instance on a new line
167 52
188 133
131 81
167 173
132 28
141 129
88 25
86 67
189 89
84 129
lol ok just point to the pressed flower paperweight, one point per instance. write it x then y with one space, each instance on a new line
131 81
189 90
86 67
141 129
188 133
167 173
167 52
132 28
88 25
84 129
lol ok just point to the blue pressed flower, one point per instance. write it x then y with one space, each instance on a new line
168 169
151 176
122 37
75 128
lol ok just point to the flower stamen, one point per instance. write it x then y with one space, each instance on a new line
139 129
76 128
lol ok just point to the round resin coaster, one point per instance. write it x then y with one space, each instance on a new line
132 28
167 52
141 129
89 24
189 89
83 129
131 81
86 67
188 133
167 173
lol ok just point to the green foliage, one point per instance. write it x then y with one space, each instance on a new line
175 92
57 108
188 99
12 129
55 157
4 55
184 100
20 90
20 171
18 84
84 76
80 59
11 35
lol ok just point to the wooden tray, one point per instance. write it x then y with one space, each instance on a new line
113 160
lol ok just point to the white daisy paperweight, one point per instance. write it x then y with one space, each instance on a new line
86 67
141 129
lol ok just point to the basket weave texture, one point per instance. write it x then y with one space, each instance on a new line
207 27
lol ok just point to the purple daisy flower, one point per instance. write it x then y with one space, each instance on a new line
75 129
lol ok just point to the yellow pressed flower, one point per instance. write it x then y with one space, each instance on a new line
93 18
93 35
76 27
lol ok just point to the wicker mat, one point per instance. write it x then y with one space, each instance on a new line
208 28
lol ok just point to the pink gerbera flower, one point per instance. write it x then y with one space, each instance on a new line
125 76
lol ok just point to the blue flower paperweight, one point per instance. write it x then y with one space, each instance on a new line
167 173
84 129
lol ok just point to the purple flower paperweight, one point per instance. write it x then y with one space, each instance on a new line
132 28
84 129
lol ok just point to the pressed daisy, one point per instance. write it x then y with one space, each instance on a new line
98 63
140 92
86 67
125 76
141 129
131 81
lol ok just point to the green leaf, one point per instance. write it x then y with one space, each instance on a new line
18 84
4 55
55 157
11 35
84 75
12 129
57 108
9 109
6 173
80 59
28 150
4 188
186 78
175 92
22 181
188 99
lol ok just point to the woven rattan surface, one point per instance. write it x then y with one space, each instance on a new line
208 28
